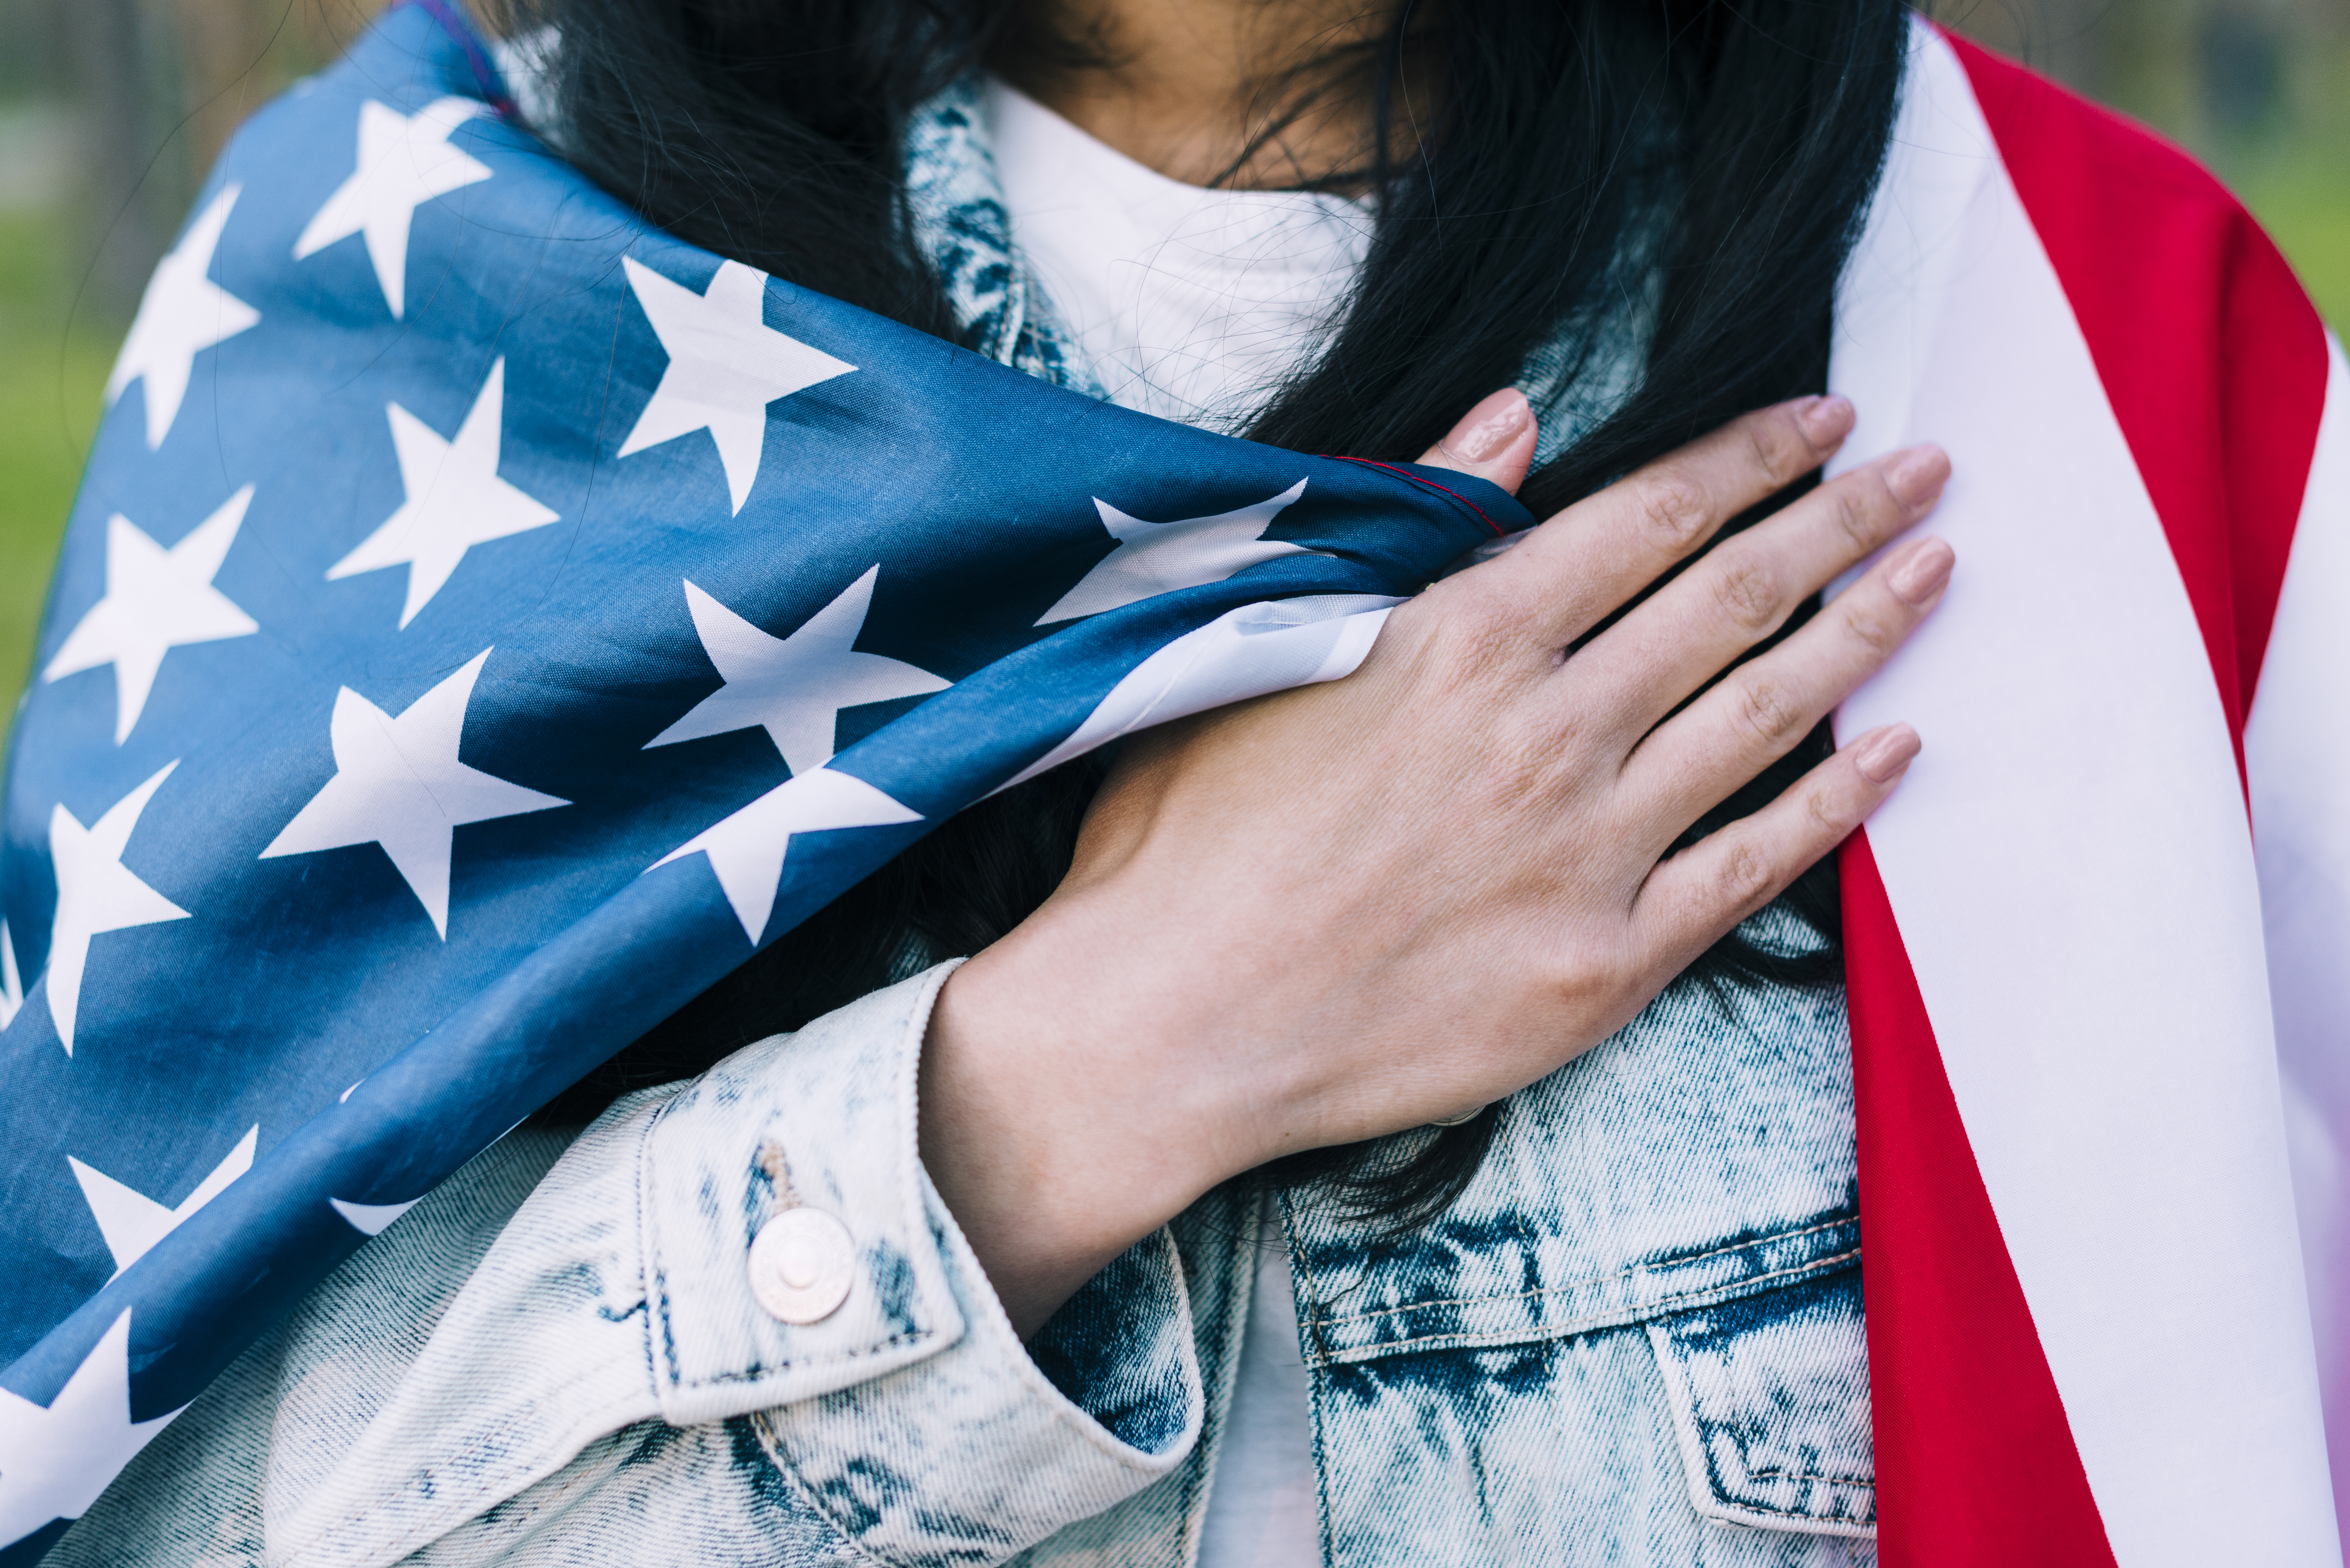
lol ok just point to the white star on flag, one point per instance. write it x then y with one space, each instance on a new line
454 499
156 599
11 990
132 1222
1159 557
747 849
95 893
54 1461
405 160
183 313
398 784
726 366
794 687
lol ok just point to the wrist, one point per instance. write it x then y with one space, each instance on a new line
1052 1131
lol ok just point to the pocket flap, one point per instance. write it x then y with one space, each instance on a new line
1769 1395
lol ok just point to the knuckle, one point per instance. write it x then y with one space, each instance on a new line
1891 513
1870 630
1466 649
1744 877
1768 710
1859 515
1479 613
1747 592
1768 447
1673 505
1830 812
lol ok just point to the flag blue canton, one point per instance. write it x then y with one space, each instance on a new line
487 619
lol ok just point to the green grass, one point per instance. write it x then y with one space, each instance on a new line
51 381
2293 172
2303 201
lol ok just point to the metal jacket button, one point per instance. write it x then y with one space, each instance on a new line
802 1264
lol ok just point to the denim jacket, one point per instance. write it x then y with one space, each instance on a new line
1636 1339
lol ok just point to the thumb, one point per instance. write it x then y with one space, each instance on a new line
1495 440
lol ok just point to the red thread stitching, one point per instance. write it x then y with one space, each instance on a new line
1498 532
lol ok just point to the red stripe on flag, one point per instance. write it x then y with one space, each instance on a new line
1975 1461
2211 356
2215 366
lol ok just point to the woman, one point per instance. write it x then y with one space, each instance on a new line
1277 1201
1423 893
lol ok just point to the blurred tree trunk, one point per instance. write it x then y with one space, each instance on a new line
237 55
163 85
224 46
134 189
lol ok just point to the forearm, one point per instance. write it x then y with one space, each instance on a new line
1052 1151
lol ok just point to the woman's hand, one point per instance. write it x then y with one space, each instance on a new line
1351 909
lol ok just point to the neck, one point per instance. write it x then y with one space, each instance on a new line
1245 94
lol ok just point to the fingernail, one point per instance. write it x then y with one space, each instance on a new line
1883 754
1915 476
1825 420
1922 569
1490 427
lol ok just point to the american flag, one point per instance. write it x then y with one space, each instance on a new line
484 621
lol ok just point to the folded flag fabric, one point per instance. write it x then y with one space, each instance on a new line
484 621
2101 1047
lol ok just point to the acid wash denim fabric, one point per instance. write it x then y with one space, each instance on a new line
1637 1340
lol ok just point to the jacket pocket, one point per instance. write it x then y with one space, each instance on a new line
1769 1399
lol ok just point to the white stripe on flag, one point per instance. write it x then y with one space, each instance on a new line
2071 869
2297 752
1247 652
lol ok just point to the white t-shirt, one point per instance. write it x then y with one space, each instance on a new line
1190 303
1195 304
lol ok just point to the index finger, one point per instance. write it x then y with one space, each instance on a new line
1574 570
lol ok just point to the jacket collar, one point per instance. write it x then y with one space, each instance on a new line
956 202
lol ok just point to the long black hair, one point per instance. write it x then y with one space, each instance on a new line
1707 163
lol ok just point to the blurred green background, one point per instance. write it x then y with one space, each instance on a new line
111 110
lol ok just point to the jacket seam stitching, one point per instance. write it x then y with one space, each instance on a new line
1325 1356
1595 1280
1742 1505
1869 1483
807 1364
